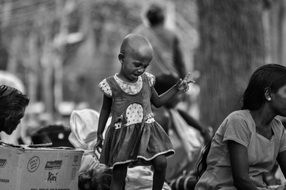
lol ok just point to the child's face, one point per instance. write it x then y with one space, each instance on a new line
134 65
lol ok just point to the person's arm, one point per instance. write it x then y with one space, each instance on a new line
190 120
194 123
103 117
159 100
239 165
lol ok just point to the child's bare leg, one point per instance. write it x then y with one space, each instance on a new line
160 165
118 177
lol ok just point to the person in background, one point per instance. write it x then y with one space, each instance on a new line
188 134
164 82
12 108
250 141
134 137
92 174
168 58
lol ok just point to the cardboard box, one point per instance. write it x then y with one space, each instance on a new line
23 168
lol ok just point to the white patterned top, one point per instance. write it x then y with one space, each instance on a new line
127 87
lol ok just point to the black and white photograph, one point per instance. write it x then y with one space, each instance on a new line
142 95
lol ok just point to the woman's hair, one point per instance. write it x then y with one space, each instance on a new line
267 77
11 101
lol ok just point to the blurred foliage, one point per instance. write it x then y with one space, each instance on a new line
62 49
236 37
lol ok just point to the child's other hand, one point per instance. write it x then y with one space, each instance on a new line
98 145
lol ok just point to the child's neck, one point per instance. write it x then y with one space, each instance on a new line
125 79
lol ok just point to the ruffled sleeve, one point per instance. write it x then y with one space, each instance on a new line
237 130
105 87
151 78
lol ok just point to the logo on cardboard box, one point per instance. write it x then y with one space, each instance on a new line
3 162
33 164
52 177
56 164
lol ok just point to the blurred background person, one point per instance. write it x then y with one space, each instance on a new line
187 134
168 57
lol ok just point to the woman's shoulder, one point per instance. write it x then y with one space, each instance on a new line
240 119
237 126
240 115
277 125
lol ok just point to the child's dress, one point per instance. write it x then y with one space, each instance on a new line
133 134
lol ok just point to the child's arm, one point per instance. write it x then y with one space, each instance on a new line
180 86
103 117
159 100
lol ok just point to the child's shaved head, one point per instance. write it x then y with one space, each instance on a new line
136 45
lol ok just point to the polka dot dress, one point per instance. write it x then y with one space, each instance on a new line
133 135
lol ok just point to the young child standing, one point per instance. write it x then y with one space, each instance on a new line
134 137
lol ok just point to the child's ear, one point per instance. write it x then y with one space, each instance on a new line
121 57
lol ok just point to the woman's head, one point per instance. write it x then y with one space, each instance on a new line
135 56
12 108
264 82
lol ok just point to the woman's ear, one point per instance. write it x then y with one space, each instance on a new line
267 94
121 57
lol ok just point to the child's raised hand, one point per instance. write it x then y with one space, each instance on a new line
183 85
189 78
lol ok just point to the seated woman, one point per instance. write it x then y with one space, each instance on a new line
250 141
